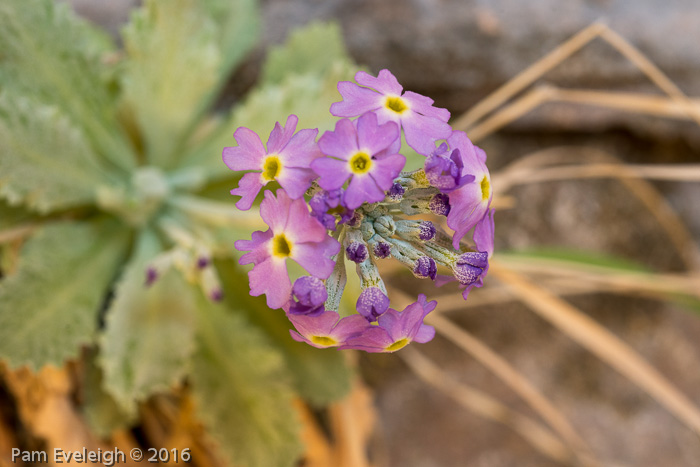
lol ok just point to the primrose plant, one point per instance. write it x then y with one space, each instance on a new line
347 196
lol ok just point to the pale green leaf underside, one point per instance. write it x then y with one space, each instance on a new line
312 49
238 23
149 331
307 96
101 411
320 376
173 62
57 59
12 216
242 391
45 161
307 89
49 306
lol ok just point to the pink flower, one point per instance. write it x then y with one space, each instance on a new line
293 234
422 123
362 151
286 161
397 329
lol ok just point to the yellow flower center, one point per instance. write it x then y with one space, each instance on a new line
396 104
281 247
485 188
323 340
271 168
360 163
399 344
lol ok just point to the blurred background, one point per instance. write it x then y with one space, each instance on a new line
459 52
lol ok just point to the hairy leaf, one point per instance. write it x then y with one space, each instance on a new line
307 96
238 23
149 330
49 306
45 161
173 61
307 91
242 391
11 216
310 50
320 375
99 408
56 58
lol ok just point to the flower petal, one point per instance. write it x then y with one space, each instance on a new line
425 334
279 137
356 100
248 188
386 169
341 142
374 339
301 227
385 82
362 189
373 137
275 211
424 106
295 181
249 153
271 278
315 257
422 132
332 172
319 325
301 149
257 247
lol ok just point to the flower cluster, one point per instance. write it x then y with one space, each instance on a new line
347 196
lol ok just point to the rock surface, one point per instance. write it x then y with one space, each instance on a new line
458 51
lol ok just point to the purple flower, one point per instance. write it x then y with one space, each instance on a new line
397 329
327 329
425 267
294 234
382 250
469 202
285 161
484 233
151 276
445 172
310 294
440 205
357 252
359 151
372 303
422 123
471 268
325 205
396 192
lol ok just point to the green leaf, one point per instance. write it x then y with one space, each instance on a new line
320 375
313 49
583 257
56 58
149 331
238 23
49 307
11 216
45 161
307 96
306 91
242 392
101 411
173 62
